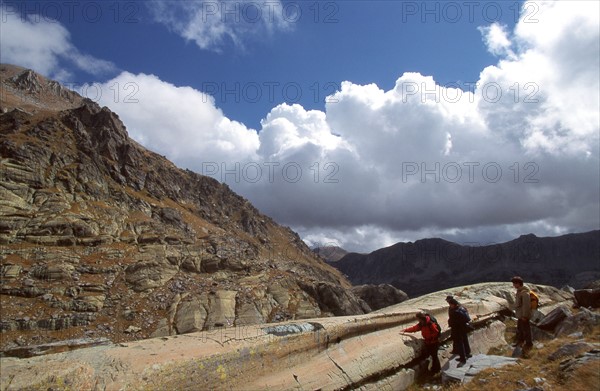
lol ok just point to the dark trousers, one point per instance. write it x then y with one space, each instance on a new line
524 332
460 340
432 351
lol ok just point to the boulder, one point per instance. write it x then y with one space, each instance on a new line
132 329
306 309
584 321
380 296
550 321
191 316
247 314
280 293
221 312
569 365
572 349
162 330
593 285
538 334
334 299
589 298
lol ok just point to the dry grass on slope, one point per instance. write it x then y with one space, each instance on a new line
534 366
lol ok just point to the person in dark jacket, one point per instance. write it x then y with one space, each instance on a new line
458 317
430 333
448 298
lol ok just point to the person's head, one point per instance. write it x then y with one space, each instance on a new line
448 298
452 302
517 281
421 316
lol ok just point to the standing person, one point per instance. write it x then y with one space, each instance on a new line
448 298
458 317
523 313
430 332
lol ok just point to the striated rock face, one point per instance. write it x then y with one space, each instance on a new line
99 235
380 296
365 352
431 264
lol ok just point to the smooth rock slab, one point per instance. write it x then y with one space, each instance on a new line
473 366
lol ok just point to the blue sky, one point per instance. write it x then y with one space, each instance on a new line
327 43
342 119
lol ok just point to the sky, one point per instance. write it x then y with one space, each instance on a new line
356 123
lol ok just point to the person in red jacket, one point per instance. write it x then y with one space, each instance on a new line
430 333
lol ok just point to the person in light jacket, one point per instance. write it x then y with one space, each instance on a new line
523 313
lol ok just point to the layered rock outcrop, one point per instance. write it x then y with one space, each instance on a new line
380 296
353 352
99 235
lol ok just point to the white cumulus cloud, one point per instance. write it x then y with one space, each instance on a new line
180 122
496 39
211 25
43 45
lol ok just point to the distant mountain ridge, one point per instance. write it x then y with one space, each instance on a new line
429 265
330 253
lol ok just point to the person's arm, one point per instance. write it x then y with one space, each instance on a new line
518 303
412 329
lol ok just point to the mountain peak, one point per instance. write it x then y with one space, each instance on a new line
98 231
32 92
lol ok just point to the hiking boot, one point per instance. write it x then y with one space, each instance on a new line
461 359
461 364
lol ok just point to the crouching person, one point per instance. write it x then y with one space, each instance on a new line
430 332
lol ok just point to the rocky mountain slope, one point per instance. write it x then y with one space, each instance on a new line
100 237
431 264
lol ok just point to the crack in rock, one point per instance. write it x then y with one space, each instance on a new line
348 378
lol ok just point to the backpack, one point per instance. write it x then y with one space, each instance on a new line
534 300
464 314
435 322
466 318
